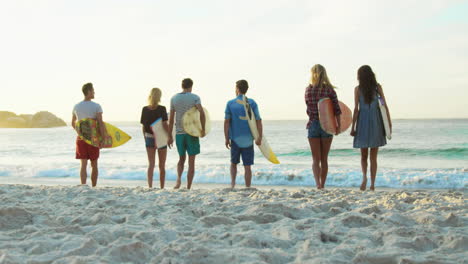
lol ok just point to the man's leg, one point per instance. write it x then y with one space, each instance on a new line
94 172
83 173
235 159
247 175
193 149
233 175
248 160
180 170
181 149
191 170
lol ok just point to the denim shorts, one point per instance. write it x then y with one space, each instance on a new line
316 131
149 142
246 153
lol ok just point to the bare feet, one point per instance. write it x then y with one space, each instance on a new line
363 184
372 188
177 185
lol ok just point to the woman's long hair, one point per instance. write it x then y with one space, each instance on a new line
319 77
367 83
154 97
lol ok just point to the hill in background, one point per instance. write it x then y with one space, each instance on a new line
41 119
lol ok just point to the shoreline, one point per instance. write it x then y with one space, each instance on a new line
38 181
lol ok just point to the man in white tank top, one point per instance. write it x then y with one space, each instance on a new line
84 151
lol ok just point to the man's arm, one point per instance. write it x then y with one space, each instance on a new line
102 127
171 127
171 121
258 121
73 121
202 118
226 133
260 132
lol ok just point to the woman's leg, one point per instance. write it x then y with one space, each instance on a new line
373 166
364 155
162 154
151 152
315 148
325 149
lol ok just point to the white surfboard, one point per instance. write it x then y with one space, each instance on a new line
192 124
386 122
160 135
264 146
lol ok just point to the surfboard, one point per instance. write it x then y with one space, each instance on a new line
327 116
191 122
386 122
250 117
160 135
88 130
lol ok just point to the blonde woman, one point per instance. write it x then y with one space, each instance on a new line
319 140
149 114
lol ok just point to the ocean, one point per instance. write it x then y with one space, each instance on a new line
422 154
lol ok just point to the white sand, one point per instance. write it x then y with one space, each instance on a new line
78 224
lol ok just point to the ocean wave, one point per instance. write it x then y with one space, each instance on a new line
278 175
447 153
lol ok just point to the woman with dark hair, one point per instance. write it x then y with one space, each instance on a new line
320 141
368 129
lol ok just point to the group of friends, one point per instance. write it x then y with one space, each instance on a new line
367 128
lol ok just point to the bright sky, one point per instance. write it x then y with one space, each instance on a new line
49 49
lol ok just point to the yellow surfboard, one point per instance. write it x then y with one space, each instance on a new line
88 130
264 146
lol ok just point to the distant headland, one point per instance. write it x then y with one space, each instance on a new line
41 119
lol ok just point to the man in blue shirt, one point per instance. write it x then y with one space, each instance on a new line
238 135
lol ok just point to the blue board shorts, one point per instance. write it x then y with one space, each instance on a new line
187 144
316 131
246 153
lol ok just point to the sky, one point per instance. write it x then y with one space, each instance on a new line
50 48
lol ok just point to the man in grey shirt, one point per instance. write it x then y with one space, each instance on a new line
181 103
84 151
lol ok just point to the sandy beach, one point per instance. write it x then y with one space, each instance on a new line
79 224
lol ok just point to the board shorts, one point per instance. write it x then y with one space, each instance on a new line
316 131
149 141
187 144
246 153
86 151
